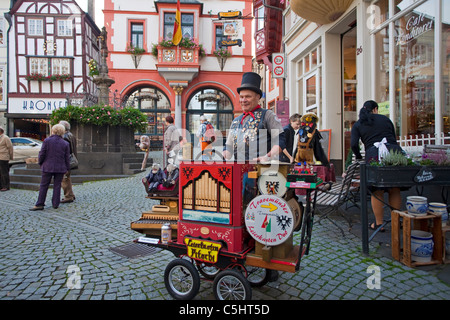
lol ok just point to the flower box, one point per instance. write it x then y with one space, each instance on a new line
398 176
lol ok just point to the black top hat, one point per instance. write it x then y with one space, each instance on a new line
251 81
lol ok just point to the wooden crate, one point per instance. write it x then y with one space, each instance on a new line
401 240
444 231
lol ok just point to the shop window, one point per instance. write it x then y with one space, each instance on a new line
187 25
35 27
445 65
137 35
414 71
2 84
2 32
65 28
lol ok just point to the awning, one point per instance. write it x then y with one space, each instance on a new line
320 11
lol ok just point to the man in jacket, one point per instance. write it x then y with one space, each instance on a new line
66 183
257 134
6 154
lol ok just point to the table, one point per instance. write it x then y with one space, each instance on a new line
395 176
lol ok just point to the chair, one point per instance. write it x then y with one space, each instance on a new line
330 201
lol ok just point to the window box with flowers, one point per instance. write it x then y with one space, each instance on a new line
53 77
188 48
398 169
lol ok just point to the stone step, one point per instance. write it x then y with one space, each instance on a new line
29 176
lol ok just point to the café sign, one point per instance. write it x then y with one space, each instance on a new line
35 105
229 43
415 27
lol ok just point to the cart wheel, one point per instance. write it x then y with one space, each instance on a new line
257 277
207 271
231 285
181 279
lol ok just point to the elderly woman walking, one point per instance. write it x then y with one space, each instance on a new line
54 162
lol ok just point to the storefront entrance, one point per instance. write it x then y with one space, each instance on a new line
350 116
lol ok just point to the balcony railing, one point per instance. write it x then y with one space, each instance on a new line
170 56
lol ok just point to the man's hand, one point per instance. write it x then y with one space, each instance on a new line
226 154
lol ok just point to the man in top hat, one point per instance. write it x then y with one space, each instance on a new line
257 134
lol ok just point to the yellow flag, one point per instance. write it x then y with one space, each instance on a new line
177 26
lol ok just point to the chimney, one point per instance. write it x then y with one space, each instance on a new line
91 9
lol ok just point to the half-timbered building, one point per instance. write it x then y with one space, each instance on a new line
50 44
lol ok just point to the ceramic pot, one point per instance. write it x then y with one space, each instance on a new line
416 205
437 208
421 246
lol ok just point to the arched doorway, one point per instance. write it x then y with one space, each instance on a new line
156 106
212 103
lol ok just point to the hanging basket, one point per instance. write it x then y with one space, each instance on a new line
320 11
222 61
136 59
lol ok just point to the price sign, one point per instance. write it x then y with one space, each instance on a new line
279 65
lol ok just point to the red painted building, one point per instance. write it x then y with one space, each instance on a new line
187 80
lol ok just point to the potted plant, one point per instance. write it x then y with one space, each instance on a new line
136 53
93 68
399 169
222 55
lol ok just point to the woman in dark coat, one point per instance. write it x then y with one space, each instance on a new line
54 162
373 128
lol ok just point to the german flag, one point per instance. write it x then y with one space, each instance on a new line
177 26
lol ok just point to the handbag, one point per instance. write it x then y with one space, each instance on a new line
73 161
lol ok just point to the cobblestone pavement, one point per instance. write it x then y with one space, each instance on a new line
40 250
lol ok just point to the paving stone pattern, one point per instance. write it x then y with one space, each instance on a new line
40 250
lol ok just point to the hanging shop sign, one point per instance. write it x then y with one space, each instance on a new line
230 15
230 43
35 106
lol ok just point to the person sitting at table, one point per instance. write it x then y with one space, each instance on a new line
373 128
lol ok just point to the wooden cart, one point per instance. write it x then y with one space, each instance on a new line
235 228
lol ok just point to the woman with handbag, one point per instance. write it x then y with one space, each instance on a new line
54 161
66 183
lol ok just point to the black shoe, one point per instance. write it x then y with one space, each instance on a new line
35 208
55 207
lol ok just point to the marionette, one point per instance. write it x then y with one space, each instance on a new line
144 145
308 145
154 178
172 175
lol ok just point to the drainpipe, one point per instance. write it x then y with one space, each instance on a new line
9 19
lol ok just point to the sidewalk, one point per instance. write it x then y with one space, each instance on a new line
41 251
